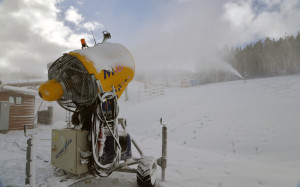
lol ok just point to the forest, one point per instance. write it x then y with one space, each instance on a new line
266 58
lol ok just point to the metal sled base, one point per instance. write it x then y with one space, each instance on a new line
86 178
146 169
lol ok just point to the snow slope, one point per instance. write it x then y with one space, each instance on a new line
224 135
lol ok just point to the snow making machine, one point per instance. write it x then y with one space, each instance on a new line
89 82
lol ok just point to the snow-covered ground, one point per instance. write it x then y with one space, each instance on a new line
231 134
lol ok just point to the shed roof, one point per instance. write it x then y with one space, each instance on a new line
21 90
19 86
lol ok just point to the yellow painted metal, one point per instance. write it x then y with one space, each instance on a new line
51 90
119 77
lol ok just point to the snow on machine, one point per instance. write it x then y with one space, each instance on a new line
89 82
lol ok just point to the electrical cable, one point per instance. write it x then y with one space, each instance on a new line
95 167
46 161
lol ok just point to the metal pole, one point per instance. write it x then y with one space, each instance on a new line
31 159
163 159
164 152
68 119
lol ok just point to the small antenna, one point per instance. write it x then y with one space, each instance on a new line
93 36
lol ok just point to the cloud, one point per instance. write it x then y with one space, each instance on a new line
72 15
252 19
239 15
79 3
92 25
32 35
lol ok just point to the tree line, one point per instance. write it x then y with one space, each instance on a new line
266 57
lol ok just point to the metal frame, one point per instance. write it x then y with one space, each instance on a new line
71 179
121 167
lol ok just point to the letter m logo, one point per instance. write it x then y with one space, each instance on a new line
107 73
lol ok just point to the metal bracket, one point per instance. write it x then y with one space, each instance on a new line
86 154
25 131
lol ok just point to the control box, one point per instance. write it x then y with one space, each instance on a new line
66 146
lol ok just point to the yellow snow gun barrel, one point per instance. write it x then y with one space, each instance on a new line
51 90
72 77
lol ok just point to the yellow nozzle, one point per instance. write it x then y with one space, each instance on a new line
51 90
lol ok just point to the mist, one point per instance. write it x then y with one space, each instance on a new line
187 41
191 38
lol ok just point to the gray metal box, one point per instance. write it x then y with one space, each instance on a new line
4 115
66 146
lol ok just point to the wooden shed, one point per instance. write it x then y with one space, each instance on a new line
21 108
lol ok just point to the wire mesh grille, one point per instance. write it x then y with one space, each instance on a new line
79 86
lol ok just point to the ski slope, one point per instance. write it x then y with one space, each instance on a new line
219 135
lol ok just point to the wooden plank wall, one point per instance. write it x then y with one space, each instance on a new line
20 115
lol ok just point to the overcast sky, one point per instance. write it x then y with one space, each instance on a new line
166 34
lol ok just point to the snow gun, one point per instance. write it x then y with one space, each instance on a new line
89 82
73 77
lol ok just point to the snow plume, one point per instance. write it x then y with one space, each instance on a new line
189 34
185 41
179 41
34 33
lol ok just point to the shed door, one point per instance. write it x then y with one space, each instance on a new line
4 115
